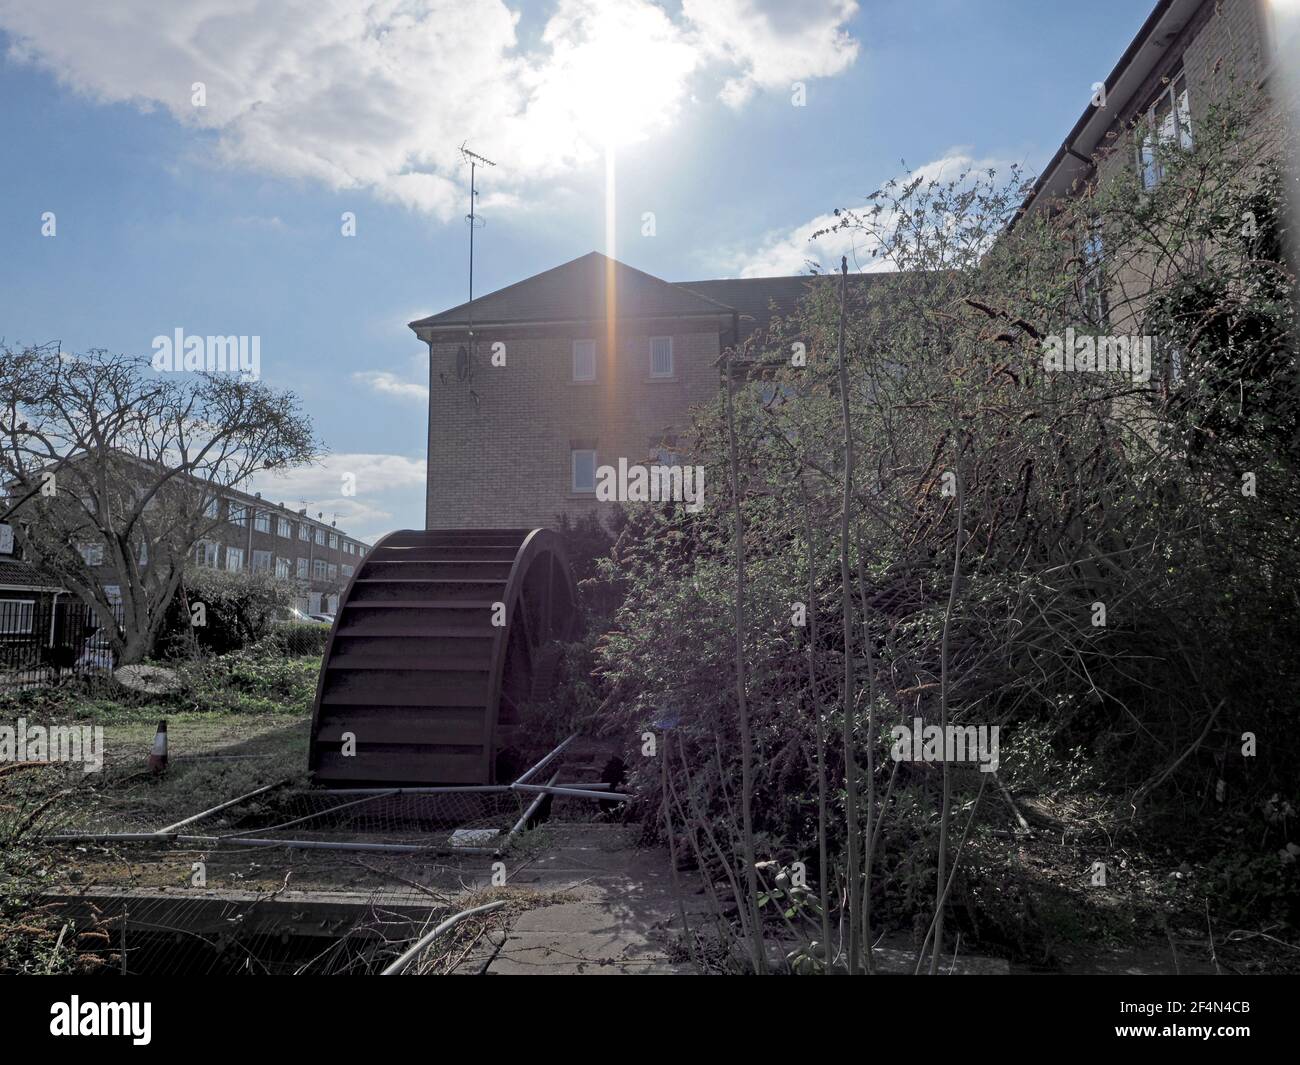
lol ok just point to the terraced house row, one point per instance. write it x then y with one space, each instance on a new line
255 536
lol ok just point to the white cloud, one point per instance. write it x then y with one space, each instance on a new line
389 384
359 490
791 251
773 42
377 94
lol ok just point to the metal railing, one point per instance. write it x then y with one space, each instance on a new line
44 640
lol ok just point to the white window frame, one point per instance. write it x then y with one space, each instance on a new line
89 551
209 550
283 528
283 569
304 533
262 521
303 571
573 470
267 562
1093 294
334 541
671 367
1176 125
234 554
320 537
17 610
582 351
213 508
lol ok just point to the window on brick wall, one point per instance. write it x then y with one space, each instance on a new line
262 561
205 553
663 451
303 532
661 356
320 537
334 541
319 569
1166 123
584 360
262 521
302 569
283 528
234 558
213 508
92 554
1093 283
282 569
583 464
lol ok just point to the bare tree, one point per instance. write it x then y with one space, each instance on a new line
123 464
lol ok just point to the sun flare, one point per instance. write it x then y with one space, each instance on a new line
618 76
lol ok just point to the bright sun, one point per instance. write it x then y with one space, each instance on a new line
614 79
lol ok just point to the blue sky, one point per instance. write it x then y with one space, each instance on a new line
225 219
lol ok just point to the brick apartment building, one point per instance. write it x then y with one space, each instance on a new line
247 535
519 444
255 536
1187 53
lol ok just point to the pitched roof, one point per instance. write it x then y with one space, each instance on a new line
26 576
575 292
757 300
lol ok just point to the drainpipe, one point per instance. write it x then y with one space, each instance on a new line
54 612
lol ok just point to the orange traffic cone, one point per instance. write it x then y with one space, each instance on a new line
158 756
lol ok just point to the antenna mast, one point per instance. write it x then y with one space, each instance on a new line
474 160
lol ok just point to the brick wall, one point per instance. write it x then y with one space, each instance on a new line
1223 42
500 439
1222 48
315 592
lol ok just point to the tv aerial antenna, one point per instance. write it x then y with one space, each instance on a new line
475 222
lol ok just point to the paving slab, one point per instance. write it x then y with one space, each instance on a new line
617 915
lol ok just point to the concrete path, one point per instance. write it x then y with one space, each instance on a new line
618 916
614 913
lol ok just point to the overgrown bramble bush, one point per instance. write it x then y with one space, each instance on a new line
1079 556
237 609
257 679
